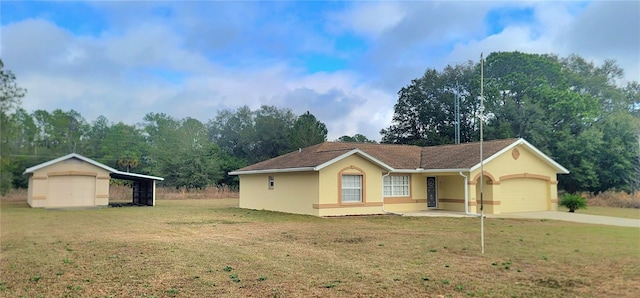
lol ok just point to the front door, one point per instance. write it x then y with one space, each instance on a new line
432 197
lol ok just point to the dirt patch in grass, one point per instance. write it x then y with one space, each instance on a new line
205 248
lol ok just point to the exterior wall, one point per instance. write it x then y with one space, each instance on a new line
294 192
38 187
419 188
102 190
451 193
37 201
530 174
43 190
330 188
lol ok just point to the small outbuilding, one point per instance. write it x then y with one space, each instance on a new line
77 181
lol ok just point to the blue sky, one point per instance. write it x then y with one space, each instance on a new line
342 61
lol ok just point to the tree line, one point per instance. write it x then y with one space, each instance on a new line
186 152
578 113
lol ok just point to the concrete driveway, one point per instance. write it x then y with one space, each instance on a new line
555 215
575 217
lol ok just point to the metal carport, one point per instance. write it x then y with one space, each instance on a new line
144 187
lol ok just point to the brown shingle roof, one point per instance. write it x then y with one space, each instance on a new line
462 156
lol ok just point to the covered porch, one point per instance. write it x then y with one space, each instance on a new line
432 191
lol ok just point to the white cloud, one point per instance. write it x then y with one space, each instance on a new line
607 30
106 75
371 19
198 61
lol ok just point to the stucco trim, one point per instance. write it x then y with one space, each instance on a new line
525 175
39 177
102 196
492 202
39 197
554 201
72 173
493 180
103 177
403 200
347 205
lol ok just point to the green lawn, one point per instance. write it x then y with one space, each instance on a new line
607 211
207 248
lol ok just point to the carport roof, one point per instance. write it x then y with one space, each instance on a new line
113 172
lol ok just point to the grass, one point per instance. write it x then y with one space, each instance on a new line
205 248
607 211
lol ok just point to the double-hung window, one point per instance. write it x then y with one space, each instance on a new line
396 186
351 188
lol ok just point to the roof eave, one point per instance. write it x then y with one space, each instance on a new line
418 171
68 156
138 175
359 152
272 171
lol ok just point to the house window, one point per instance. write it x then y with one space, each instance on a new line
351 188
272 182
396 186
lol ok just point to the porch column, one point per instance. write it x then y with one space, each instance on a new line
472 197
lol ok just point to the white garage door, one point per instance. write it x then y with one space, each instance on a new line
520 195
71 191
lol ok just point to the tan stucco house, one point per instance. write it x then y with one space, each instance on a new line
336 178
77 181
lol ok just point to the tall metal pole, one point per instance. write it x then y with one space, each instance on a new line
457 112
481 153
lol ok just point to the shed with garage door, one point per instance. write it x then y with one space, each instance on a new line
77 181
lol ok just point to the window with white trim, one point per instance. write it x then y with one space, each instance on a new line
396 186
351 188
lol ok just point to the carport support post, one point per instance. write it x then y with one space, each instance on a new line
481 153
154 194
